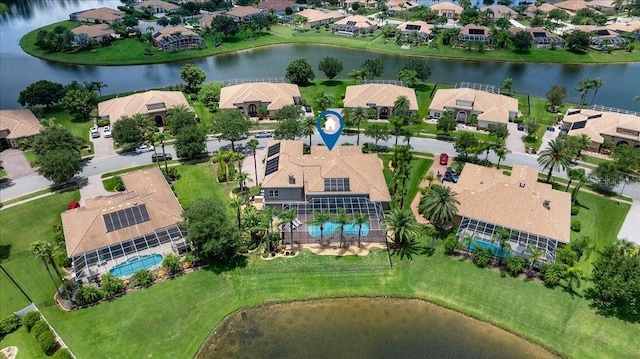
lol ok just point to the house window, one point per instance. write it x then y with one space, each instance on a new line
436 115
273 193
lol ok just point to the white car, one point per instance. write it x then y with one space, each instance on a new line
106 131
93 131
143 149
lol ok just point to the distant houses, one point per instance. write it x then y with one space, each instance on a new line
16 125
244 13
447 9
154 104
316 17
379 96
177 38
278 6
97 32
621 128
541 37
355 25
490 108
98 16
156 7
248 97
420 28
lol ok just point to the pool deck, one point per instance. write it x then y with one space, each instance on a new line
335 250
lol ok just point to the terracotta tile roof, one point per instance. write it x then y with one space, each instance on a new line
381 95
277 5
488 106
20 123
446 6
275 95
500 11
94 31
363 170
424 27
394 5
465 30
103 14
515 201
314 15
599 31
572 5
127 106
361 22
167 31
156 3
85 229
242 11
603 123
629 26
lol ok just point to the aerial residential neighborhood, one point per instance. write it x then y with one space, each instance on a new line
300 179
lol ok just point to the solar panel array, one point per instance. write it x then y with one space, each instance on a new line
273 149
272 166
602 32
539 34
126 217
476 31
413 27
336 185
351 23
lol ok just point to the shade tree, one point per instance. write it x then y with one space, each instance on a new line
192 75
331 67
80 102
372 68
190 142
231 125
43 92
211 231
300 72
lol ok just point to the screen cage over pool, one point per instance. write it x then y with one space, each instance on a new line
306 232
89 266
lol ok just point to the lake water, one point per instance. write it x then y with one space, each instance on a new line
17 69
362 328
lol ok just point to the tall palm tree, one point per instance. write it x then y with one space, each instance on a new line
359 116
402 223
253 223
469 240
439 205
502 237
268 214
581 177
397 122
428 230
39 249
534 255
555 157
162 136
360 219
319 219
243 178
574 174
342 219
573 272
595 85
236 203
253 145
288 216
583 142
309 127
501 152
401 106
583 88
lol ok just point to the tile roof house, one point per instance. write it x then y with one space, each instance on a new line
355 25
534 213
542 38
109 230
156 6
621 128
292 176
472 32
421 28
601 36
96 32
17 124
545 8
244 13
318 17
396 6
99 15
177 38
572 5
278 6
380 97
155 104
447 9
499 12
463 102
248 97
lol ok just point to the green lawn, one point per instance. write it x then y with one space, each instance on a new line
335 88
199 181
133 51
419 167
594 160
27 346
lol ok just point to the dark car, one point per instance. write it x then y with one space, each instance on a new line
444 159
307 108
451 175
161 157
520 126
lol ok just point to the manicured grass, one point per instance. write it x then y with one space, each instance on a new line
132 51
335 88
111 183
199 181
15 239
30 156
594 160
418 168
27 346
3 173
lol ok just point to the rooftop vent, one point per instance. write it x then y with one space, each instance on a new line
547 204
522 184
292 179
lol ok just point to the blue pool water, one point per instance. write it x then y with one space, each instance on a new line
133 265
331 227
495 248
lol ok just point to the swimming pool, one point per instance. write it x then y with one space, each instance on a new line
495 248
331 227
133 265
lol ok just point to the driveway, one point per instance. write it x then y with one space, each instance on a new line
247 166
93 188
514 141
629 229
548 136
15 164
103 147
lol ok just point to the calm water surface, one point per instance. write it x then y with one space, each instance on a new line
17 69
362 328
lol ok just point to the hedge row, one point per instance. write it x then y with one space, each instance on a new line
9 325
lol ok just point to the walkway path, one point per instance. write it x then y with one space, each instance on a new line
630 229
93 188
15 164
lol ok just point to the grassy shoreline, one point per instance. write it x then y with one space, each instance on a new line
283 35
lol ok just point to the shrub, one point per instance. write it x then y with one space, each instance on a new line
575 210
40 327
47 342
62 354
576 225
171 263
9 324
515 265
142 278
111 285
102 123
89 295
451 245
482 256
447 138
30 319
552 274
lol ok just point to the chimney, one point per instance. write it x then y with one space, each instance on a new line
547 204
292 179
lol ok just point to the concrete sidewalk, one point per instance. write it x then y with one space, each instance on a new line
630 229
93 188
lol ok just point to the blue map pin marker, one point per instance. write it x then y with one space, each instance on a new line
330 125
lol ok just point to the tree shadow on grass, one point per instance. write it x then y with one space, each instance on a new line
219 267
622 311
331 83
5 251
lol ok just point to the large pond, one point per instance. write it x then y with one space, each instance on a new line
17 69
362 328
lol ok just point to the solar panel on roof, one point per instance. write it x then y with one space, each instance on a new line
272 166
476 31
337 185
126 217
413 27
273 149
351 23
602 32
539 34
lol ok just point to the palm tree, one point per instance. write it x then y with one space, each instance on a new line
40 250
572 272
581 177
402 223
236 203
428 230
554 157
161 136
309 127
534 255
359 220
401 107
468 241
253 223
502 237
267 218
439 205
253 145
342 219
319 219
595 85
242 178
501 152
582 142
574 174
288 216
583 88
359 116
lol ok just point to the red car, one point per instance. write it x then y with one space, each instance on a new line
73 205
444 159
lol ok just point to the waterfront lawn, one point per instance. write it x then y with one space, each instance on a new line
186 308
336 88
26 343
78 127
419 167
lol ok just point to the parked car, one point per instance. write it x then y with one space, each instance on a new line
93 131
106 131
143 149
72 205
161 157
307 108
451 175
520 126
263 134
444 159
